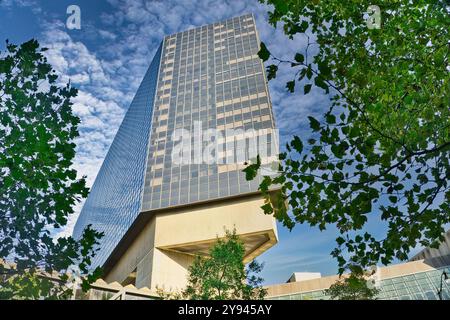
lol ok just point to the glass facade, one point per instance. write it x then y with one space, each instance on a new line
204 80
418 286
115 198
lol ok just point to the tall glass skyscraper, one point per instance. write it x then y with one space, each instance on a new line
205 86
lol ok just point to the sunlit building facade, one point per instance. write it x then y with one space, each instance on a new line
173 174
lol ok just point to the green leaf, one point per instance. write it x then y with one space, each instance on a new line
393 199
252 169
324 70
297 144
263 52
330 118
281 6
309 72
340 240
299 57
318 81
271 71
303 26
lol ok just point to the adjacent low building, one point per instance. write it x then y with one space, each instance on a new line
418 279
172 180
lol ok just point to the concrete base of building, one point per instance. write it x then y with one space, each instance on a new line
159 254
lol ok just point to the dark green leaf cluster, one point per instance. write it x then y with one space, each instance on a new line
38 186
223 275
383 147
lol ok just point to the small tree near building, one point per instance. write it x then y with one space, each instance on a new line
223 274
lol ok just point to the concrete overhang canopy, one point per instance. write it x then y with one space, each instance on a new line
257 230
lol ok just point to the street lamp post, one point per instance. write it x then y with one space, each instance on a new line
444 277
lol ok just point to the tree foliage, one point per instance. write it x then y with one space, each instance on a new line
352 287
383 148
222 275
38 186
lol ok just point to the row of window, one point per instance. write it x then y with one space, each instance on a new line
215 77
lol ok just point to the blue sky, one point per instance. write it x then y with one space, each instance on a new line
107 58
